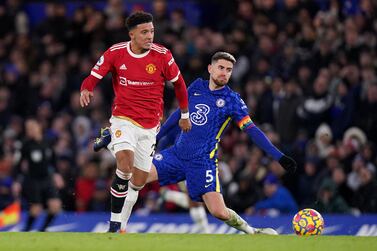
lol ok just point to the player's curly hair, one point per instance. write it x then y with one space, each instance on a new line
223 55
138 17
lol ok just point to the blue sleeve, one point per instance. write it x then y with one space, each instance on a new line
260 139
240 114
170 123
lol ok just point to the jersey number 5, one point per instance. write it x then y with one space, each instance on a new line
209 176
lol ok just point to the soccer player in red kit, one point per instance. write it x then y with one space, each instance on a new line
139 70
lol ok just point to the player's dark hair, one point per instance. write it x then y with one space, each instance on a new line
223 55
138 17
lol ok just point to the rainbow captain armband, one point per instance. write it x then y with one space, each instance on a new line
245 123
185 115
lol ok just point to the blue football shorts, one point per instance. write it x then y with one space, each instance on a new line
201 174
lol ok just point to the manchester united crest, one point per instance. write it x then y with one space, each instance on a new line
151 68
118 133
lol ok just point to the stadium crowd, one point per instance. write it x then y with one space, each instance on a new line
306 69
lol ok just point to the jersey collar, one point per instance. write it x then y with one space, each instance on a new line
136 55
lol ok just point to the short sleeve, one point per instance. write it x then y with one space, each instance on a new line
171 70
103 65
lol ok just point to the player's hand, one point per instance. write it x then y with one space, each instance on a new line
185 124
85 96
288 164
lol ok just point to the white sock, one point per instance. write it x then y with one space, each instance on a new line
116 217
178 198
133 193
238 223
199 216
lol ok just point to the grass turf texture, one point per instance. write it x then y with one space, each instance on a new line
165 242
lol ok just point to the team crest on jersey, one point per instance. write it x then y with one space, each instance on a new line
220 102
118 133
100 60
158 156
151 68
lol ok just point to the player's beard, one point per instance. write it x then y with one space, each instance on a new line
219 82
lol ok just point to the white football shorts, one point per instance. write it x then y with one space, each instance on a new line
127 136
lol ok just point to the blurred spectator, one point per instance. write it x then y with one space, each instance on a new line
366 196
306 183
328 199
8 191
248 193
323 139
339 177
367 118
85 186
277 197
315 109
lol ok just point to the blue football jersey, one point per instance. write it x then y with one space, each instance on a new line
210 113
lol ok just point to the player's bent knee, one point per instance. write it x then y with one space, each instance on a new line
220 214
124 161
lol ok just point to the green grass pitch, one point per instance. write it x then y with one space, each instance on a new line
177 242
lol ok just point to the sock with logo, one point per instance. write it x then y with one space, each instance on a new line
118 193
238 223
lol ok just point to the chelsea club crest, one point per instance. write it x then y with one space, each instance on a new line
158 156
220 102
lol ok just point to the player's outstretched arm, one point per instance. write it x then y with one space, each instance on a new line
260 139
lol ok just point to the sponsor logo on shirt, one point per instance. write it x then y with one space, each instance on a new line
199 117
124 81
150 68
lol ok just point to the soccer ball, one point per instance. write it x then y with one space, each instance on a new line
308 222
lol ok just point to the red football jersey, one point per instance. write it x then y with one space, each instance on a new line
138 81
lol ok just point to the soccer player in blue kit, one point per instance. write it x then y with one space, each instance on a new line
212 105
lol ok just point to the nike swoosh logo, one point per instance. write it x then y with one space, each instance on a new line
205 186
197 94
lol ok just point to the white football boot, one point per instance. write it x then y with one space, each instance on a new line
269 231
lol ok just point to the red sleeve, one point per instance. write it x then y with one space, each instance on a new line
171 70
102 67
104 64
181 92
89 83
